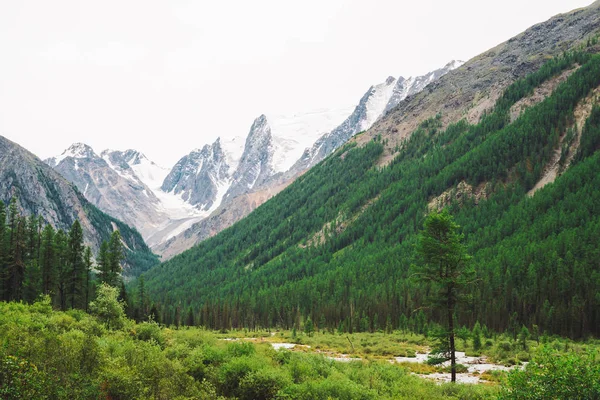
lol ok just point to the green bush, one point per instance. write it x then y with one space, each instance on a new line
233 372
148 331
555 376
19 379
262 385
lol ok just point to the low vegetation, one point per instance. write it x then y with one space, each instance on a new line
46 354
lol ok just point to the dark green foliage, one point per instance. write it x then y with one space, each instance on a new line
36 260
446 270
339 241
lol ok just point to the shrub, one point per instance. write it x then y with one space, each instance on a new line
261 385
555 376
19 379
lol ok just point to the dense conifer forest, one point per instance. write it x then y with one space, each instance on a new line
37 260
337 245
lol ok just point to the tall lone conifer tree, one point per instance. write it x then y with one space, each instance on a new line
445 266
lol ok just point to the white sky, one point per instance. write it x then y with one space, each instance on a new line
165 77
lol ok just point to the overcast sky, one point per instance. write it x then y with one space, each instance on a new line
165 77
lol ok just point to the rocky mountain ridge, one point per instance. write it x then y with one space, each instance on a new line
221 177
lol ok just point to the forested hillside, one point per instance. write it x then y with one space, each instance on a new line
338 244
37 260
39 191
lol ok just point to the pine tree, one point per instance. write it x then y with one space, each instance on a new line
124 298
190 317
142 306
445 266
32 278
47 262
61 267
114 257
154 314
309 327
477 336
87 263
17 266
76 265
103 264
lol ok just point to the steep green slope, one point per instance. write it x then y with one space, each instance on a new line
337 244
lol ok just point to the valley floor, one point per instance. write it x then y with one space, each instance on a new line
46 354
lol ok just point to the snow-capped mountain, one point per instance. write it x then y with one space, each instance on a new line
378 100
408 87
108 182
200 178
256 164
292 134
136 166
167 203
126 184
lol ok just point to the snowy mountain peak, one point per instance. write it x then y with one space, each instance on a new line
408 87
453 64
390 80
201 177
76 151
260 128
134 157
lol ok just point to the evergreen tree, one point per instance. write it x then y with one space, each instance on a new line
115 257
142 301
87 263
103 264
61 267
309 327
32 278
17 265
445 267
48 260
477 336
154 314
190 317
76 266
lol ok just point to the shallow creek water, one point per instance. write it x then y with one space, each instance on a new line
475 365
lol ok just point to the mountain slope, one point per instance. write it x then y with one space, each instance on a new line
337 244
377 101
42 191
470 91
270 160
109 182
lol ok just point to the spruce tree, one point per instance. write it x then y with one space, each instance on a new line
61 267
88 263
76 266
47 260
115 257
103 264
445 267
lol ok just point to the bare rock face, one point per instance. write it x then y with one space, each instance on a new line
199 176
375 103
109 183
256 164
